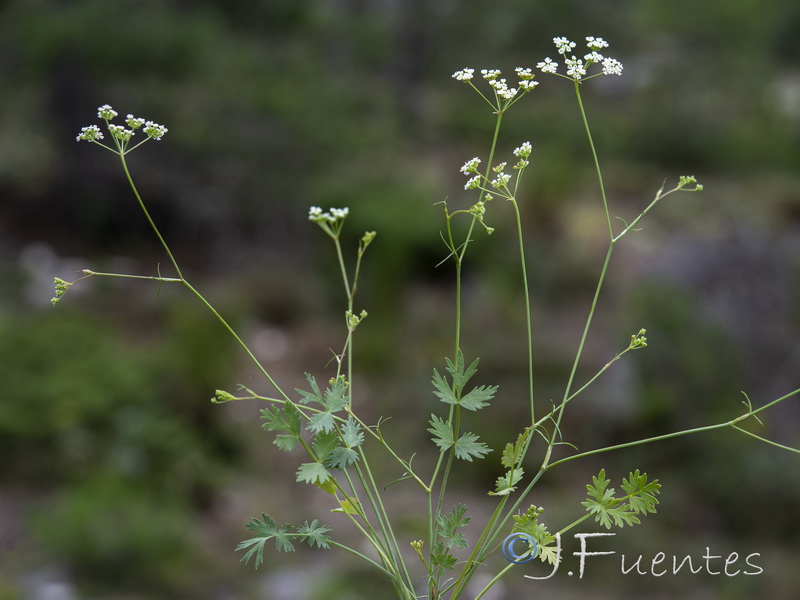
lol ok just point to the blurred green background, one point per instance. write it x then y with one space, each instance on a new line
120 480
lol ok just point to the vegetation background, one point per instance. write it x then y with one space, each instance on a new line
119 479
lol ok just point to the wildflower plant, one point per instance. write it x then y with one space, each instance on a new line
321 422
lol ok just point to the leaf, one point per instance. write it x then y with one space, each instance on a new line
315 534
352 436
341 458
478 397
448 527
265 530
335 398
313 473
324 445
642 494
321 421
512 453
442 432
442 389
286 421
314 395
348 505
468 447
608 509
529 523
457 372
508 482
442 560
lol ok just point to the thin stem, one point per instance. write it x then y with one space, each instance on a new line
596 160
149 218
527 304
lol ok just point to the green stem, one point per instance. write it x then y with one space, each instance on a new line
596 160
527 304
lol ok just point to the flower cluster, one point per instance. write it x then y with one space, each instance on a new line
119 134
61 288
504 93
316 215
577 67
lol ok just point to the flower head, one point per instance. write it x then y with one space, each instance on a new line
490 74
596 43
106 113
473 183
524 150
134 122
89 134
563 45
154 130
547 66
471 166
119 132
611 66
463 74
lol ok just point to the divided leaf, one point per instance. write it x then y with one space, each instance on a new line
287 421
529 523
476 399
314 534
466 447
610 510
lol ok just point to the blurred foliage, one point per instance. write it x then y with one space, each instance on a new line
276 105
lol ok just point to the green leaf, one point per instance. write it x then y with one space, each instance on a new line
610 510
336 395
286 421
642 495
352 436
442 432
341 458
442 389
529 523
324 445
265 530
315 534
312 533
512 454
468 447
442 560
448 527
314 395
478 397
321 421
457 372
508 482
313 473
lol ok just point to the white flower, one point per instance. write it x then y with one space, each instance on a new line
612 66
340 213
548 66
119 132
314 213
89 134
500 167
490 74
471 166
524 73
528 84
106 113
501 180
133 122
473 183
575 67
501 88
524 150
154 130
593 57
563 45
463 74
594 43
